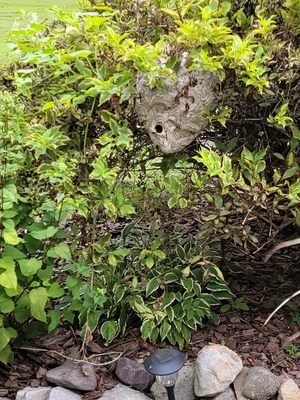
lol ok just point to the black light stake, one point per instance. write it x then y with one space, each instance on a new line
165 365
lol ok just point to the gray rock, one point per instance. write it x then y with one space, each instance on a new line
289 391
4 398
29 393
183 386
73 376
122 392
216 368
260 384
134 374
239 384
228 395
59 393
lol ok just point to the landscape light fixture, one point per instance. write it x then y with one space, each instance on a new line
165 365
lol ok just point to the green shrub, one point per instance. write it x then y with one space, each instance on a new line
81 183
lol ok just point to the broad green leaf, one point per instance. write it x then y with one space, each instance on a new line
149 261
61 250
38 300
6 355
6 304
126 230
80 54
180 252
290 172
44 233
168 299
13 252
170 277
6 334
147 328
55 316
10 236
109 330
8 278
30 267
152 286
55 290
164 329
225 308
296 132
247 154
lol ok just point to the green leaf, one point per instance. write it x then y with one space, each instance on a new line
168 299
164 329
187 283
10 236
170 277
44 233
126 230
119 291
80 54
13 252
152 286
296 132
30 267
290 172
172 201
55 290
247 154
8 278
225 308
147 328
61 250
38 300
6 355
109 330
55 316
6 334
180 252
6 304
149 261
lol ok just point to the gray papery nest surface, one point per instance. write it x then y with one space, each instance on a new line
175 116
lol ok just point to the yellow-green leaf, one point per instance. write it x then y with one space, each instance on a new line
38 299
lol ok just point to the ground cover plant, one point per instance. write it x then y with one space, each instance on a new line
100 230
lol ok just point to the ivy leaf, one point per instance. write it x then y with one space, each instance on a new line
61 250
38 299
30 267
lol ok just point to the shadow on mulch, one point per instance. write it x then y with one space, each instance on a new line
264 286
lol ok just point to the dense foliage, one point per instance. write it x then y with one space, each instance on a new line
97 228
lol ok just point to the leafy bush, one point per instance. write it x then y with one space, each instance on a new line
99 229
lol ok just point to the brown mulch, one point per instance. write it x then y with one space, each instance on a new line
264 286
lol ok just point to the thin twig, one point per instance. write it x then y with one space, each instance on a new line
78 361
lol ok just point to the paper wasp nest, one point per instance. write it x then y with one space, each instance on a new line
174 117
